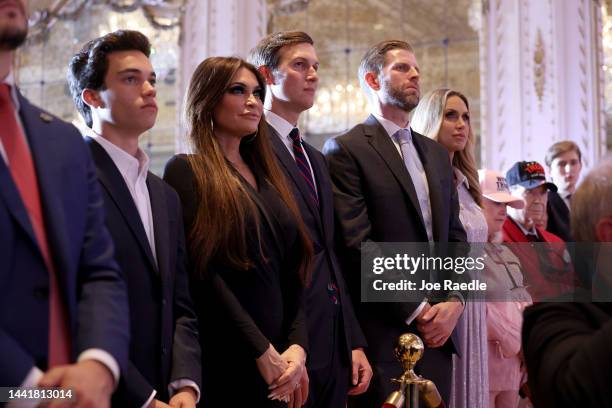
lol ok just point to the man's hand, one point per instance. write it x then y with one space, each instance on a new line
91 382
286 384
185 398
362 373
437 324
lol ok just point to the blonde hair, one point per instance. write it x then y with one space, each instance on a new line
427 120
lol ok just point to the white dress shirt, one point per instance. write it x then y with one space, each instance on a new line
35 374
283 128
134 171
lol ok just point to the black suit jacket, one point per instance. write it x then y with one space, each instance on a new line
376 201
321 228
242 312
164 334
558 217
568 354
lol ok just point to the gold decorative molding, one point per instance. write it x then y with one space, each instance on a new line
539 67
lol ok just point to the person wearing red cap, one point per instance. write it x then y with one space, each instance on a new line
548 269
504 277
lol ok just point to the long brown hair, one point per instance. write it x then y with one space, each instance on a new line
427 120
225 207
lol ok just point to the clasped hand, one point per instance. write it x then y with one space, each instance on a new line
285 374
436 323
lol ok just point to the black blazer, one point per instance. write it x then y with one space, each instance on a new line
242 312
568 354
558 217
321 228
376 201
164 333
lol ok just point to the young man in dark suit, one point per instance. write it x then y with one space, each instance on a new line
337 365
63 304
113 85
386 192
564 162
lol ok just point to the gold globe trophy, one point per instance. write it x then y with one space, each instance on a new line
409 351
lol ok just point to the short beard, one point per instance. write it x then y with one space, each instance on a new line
400 100
12 38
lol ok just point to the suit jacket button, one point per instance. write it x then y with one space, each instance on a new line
164 302
41 292
164 350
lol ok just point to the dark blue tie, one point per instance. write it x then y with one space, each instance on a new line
302 164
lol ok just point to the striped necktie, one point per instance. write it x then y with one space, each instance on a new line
302 164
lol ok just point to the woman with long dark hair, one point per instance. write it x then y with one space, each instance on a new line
249 250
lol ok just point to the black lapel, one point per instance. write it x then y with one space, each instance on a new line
433 181
288 163
112 180
381 142
161 223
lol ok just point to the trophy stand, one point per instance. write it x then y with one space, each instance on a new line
412 387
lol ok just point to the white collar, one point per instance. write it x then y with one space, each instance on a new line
525 231
278 123
10 81
129 166
389 126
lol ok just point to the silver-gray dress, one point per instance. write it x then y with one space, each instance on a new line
470 385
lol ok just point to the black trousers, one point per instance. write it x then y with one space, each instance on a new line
329 384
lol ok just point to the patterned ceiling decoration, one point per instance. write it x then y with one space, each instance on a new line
161 14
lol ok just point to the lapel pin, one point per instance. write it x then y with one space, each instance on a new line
46 117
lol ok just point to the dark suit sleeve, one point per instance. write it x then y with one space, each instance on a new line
15 362
134 390
179 175
355 227
186 355
568 355
102 299
293 290
358 339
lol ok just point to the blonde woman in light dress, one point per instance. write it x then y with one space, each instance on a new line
443 115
